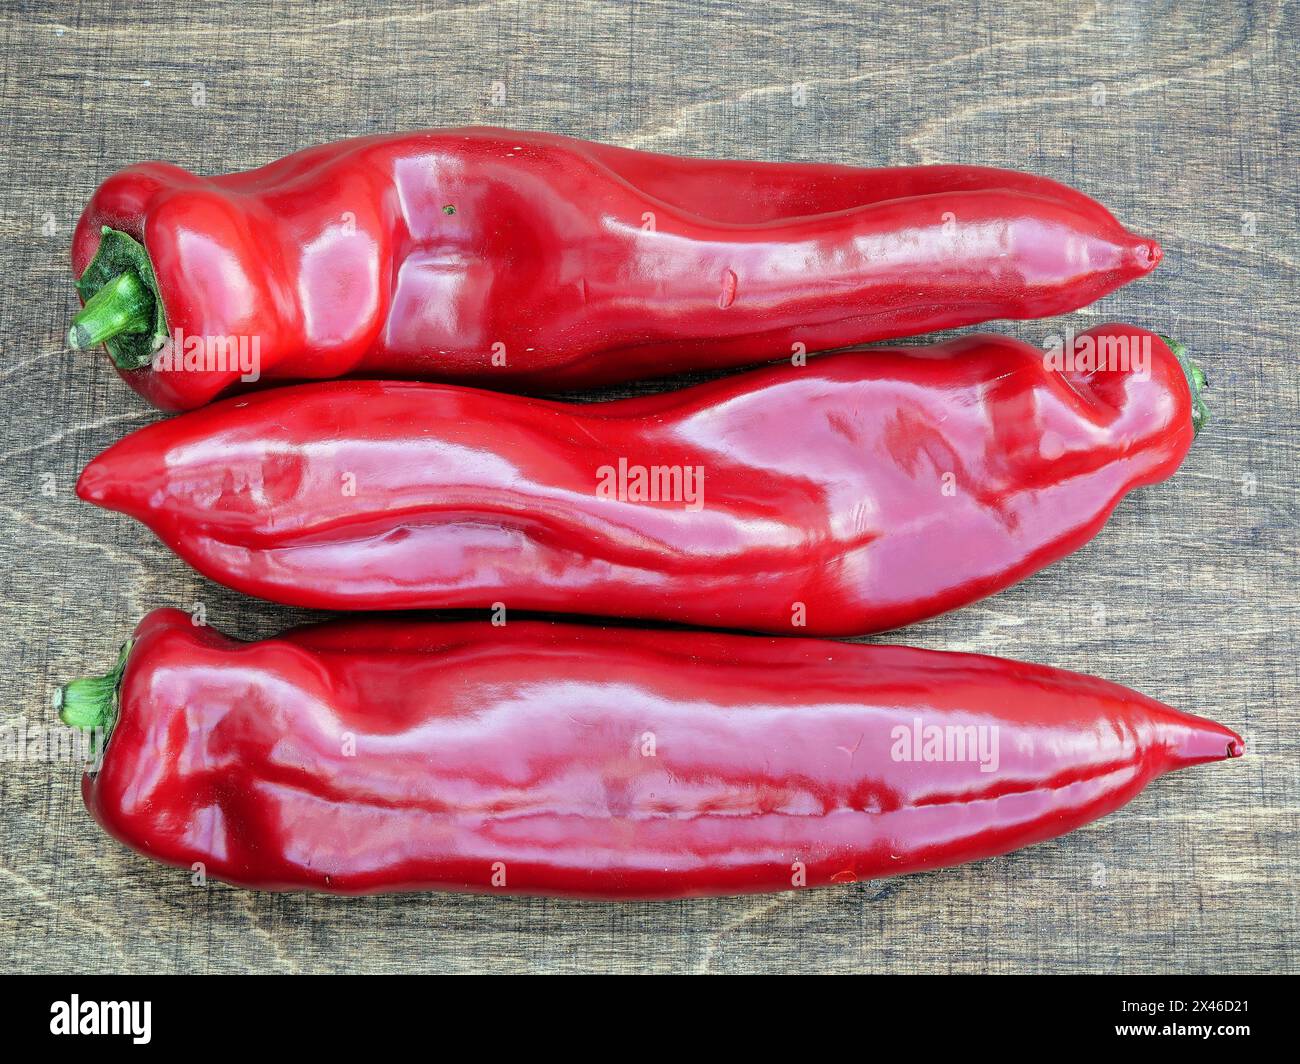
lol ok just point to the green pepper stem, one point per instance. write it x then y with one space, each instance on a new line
124 305
91 702
1196 383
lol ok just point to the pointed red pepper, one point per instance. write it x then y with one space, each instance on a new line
532 261
603 763
858 493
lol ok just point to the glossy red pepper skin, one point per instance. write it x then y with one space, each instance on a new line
858 493
563 760
427 254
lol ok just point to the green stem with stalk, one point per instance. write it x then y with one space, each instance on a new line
92 702
123 309
1196 382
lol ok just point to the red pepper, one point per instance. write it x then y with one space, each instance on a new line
534 261
604 763
858 493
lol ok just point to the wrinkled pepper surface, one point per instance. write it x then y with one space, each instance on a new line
530 261
858 493
604 763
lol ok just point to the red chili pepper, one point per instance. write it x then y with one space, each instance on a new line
531 260
859 493
605 763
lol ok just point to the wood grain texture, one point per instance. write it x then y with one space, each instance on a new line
1181 119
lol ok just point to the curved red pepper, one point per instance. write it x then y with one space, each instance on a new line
556 759
858 493
535 261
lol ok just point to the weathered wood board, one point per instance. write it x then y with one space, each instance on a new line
1181 119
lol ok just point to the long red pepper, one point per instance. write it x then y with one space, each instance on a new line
858 493
556 759
535 261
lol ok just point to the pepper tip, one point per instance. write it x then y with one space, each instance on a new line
1148 254
92 486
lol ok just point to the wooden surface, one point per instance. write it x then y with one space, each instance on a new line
1182 119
